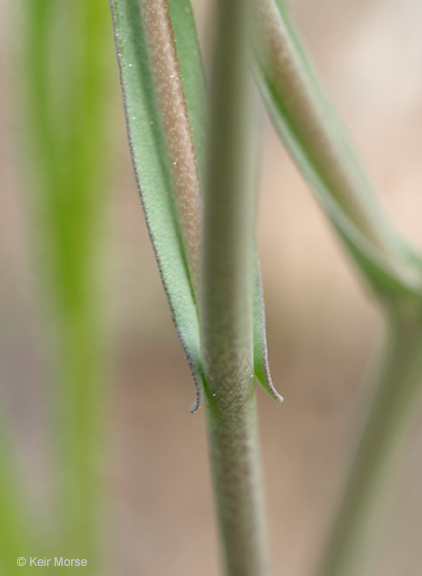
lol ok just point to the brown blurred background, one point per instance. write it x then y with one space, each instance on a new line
322 326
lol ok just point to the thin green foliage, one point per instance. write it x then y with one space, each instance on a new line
153 169
320 146
151 165
153 78
231 325
67 60
318 143
15 521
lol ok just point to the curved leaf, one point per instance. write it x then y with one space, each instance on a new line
318 144
153 177
261 365
153 159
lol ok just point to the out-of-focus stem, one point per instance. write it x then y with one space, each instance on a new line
226 303
379 452
16 537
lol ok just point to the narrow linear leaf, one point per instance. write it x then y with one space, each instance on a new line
165 101
195 95
194 85
154 180
175 128
261 364
318 144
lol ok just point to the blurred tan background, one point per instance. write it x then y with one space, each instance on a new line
322 326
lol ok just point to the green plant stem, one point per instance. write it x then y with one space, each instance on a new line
227 303
233 440
379 452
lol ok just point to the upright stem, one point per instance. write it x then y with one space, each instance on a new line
233 440
379 451
226 304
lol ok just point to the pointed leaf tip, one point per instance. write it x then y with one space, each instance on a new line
151 165
261 365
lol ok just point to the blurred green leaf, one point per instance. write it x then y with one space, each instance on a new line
16 537
318 143
67 74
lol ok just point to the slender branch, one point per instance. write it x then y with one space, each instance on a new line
379 452
226 304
